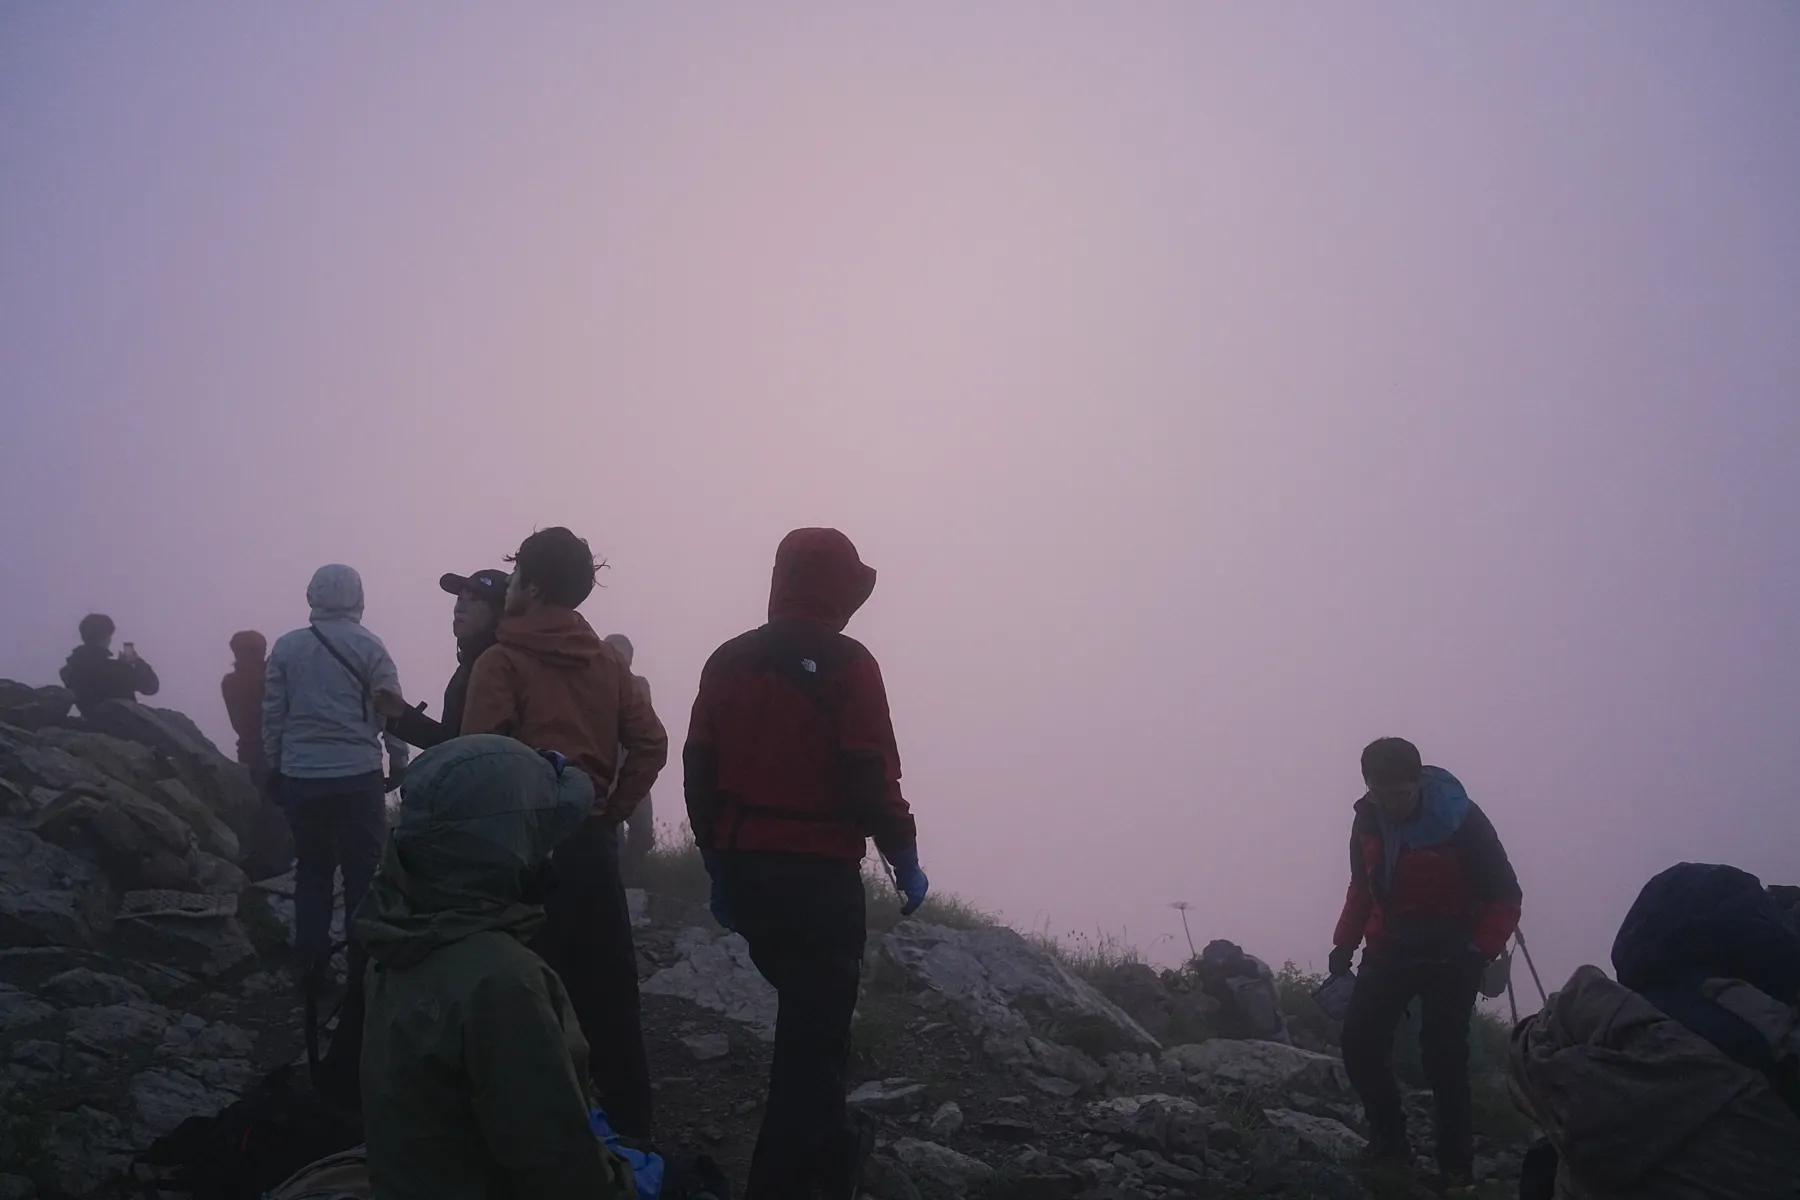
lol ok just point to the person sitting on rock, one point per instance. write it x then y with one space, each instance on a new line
1682 1078
242 689
640 826
551 682
323 739
474 1070
474 623
790 767
1433 892
95 676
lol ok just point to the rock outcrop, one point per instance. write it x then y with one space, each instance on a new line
146 906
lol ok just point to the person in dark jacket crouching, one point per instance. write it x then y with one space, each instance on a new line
1434 895
474 1069
790 767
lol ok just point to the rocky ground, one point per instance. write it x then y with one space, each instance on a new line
143 980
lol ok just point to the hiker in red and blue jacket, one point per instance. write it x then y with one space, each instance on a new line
790 768
1434 895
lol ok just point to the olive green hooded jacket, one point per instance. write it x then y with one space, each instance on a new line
472 1061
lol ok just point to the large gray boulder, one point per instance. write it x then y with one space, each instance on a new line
49 897
28 760
139 843
214 835
31 707
716 973
1009 990
133 765
1320 1135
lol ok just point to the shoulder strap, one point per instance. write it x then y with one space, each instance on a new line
361 680
1733 1036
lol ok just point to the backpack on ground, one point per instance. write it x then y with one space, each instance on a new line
340 1177
253 1144
289 1120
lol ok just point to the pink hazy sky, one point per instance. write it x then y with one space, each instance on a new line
1216 387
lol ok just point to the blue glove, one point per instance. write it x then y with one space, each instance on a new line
909 879
719 903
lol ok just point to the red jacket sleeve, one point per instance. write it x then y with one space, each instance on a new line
1358 904
873 759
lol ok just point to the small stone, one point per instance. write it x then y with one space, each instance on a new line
956 1173
890 1096
1062 1089
706 1047
947 1121
744 1108
712 1134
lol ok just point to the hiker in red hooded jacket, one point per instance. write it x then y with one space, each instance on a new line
1433 894
790 768
243 693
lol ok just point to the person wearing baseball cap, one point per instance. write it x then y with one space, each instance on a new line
480 597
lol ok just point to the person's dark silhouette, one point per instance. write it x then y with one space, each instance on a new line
96 676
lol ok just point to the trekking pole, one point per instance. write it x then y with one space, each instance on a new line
1511 999
1519 936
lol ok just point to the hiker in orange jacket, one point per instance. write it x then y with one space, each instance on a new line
553 684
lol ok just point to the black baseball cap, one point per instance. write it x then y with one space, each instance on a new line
483 585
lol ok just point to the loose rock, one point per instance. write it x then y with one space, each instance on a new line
929 1163
947 1121
81 987
888 1096
1322 1135
705 1047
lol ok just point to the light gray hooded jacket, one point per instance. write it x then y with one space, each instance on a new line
317 721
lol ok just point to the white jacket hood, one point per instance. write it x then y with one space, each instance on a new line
336 594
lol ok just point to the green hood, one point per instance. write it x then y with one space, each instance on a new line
477 816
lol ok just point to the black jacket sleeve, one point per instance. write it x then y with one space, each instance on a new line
416 729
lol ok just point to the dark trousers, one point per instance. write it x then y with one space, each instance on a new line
1446 992
803 918
337 823
586 939
639 839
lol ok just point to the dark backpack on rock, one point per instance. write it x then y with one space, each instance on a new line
254 1144
288 1121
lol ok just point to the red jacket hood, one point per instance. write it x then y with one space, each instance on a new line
249 648
557 636
819 578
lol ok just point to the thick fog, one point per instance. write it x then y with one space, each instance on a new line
1215 387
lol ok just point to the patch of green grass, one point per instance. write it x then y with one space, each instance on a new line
878 1036
1089 956
673 867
